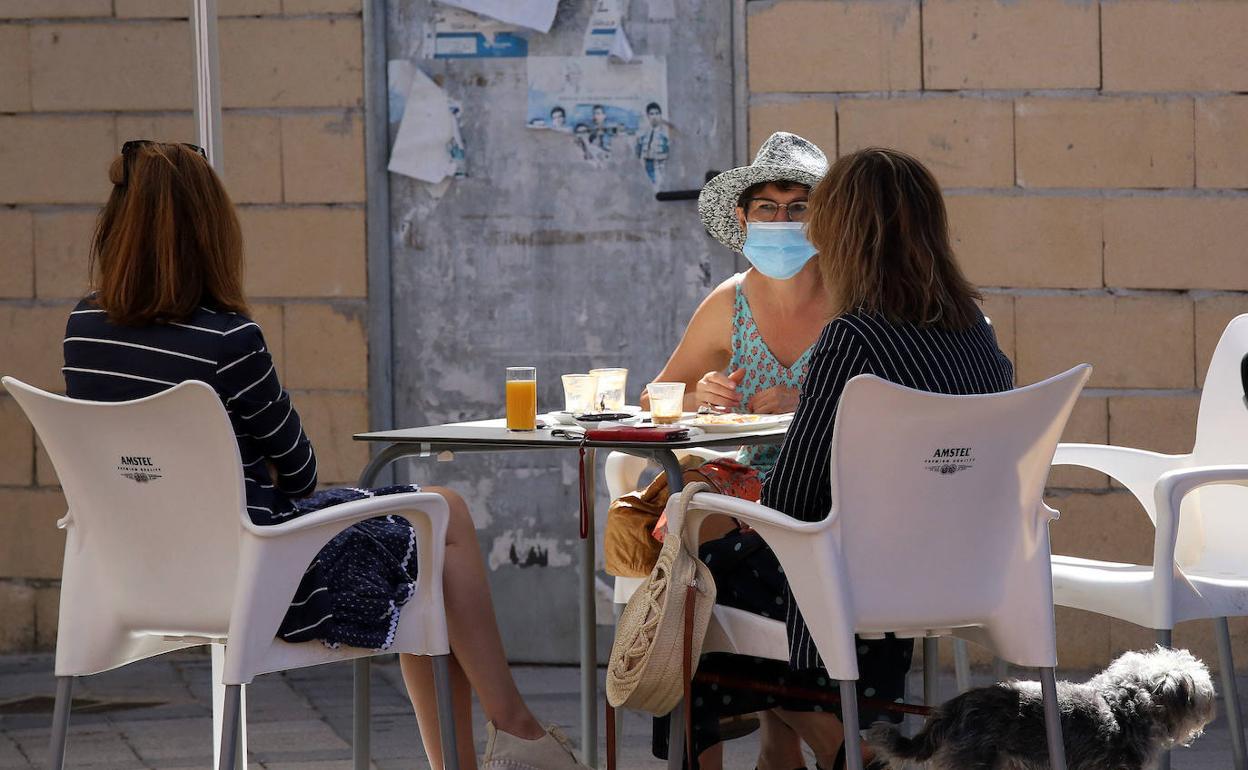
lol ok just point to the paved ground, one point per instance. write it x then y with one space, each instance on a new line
301 720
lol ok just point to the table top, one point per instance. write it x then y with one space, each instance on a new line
493 434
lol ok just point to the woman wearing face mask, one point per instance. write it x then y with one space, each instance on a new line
747 345
746 349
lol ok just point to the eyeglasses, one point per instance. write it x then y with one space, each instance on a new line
766 210
129 147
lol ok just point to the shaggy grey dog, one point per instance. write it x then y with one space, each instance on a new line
1121 719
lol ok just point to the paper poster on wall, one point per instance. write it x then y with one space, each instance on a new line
456 34
605 23
428 146
399 74
534 14
614 112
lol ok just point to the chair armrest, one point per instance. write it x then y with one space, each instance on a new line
1136 469
1171 489
758 516
272 561
811 557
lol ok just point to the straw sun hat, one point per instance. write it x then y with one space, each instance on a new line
783 156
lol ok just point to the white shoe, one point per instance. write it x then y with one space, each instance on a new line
504 751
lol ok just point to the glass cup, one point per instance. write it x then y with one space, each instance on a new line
609 395
521 398
578 392
667 402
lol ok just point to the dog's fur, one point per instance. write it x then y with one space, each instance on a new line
1122 719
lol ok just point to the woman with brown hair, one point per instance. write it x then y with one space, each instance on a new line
905 313
168 306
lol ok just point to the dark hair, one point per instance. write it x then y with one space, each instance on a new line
559 110
784 185
598 107
878 221
654 106
167 241
579 126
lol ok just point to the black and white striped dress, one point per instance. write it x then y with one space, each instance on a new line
747 574
352 591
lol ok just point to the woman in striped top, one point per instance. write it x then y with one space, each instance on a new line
168 307
907 315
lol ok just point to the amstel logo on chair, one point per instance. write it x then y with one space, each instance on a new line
949 460
138 469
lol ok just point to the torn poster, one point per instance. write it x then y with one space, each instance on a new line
457 34
398 83
534 14
613 111
428 146
605 24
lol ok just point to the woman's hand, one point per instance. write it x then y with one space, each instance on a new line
719 389
777 399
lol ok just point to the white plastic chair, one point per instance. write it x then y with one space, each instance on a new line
917 544
1198 505
160 554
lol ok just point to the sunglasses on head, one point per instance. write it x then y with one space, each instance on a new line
129 147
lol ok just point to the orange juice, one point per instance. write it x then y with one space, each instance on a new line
521 404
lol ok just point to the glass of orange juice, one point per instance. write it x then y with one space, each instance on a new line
521 398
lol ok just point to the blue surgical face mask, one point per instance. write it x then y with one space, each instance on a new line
777 249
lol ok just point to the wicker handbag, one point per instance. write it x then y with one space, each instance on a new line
659 636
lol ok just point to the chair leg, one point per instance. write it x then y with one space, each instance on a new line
1165 637
361 733
961 665
60 722
446 712
931 670
1000 670
231 719
1230 693
849 717
1052 720
218 707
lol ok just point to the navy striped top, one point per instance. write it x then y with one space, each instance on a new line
108 362
925 358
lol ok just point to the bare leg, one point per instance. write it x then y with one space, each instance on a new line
711 758
480 664
781 747
418 675
821 731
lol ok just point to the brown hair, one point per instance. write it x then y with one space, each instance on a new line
168 240
879 223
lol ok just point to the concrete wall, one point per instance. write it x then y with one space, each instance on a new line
79 77
1094 156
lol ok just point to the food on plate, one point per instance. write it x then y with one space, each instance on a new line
726 419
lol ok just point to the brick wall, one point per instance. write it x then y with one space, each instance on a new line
79 77
1095 158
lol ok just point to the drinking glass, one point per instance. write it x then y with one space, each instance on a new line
667 402
578 392
610 391
521 398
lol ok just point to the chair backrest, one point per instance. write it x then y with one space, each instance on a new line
1214 526
937 501
156 500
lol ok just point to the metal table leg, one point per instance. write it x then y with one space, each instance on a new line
589 627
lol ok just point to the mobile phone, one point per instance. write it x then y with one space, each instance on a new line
603 416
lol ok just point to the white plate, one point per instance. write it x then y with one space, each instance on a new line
764 422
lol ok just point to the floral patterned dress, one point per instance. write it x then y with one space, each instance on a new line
762 371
